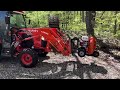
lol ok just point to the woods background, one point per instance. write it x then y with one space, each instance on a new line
99 23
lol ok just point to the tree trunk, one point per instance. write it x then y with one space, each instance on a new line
66 20
63 24
83 16
119 27
115 25
90 22
80 13
80 16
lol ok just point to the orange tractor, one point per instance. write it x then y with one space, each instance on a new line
16 40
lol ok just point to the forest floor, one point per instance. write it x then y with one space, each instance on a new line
106 66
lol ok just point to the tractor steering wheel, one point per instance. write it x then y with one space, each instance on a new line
14 27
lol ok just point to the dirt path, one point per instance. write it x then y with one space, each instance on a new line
60 67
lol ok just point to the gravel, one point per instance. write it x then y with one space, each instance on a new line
63 67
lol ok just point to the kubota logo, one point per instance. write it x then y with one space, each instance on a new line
33 30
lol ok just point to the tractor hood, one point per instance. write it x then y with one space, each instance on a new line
36 31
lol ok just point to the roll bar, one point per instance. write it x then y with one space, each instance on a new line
19 12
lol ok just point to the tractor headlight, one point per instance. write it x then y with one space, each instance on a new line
42 38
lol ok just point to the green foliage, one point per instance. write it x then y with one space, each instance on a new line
105 23
72 20
40 19
17 20
117 35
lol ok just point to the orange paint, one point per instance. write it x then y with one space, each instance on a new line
92 45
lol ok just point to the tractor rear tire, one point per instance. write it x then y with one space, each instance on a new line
28 58
81 52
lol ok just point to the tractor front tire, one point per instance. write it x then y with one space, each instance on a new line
81 52
28 58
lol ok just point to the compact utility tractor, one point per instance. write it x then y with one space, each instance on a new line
29 44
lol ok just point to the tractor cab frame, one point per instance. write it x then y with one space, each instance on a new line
9 19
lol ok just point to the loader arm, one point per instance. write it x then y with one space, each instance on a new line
56 41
